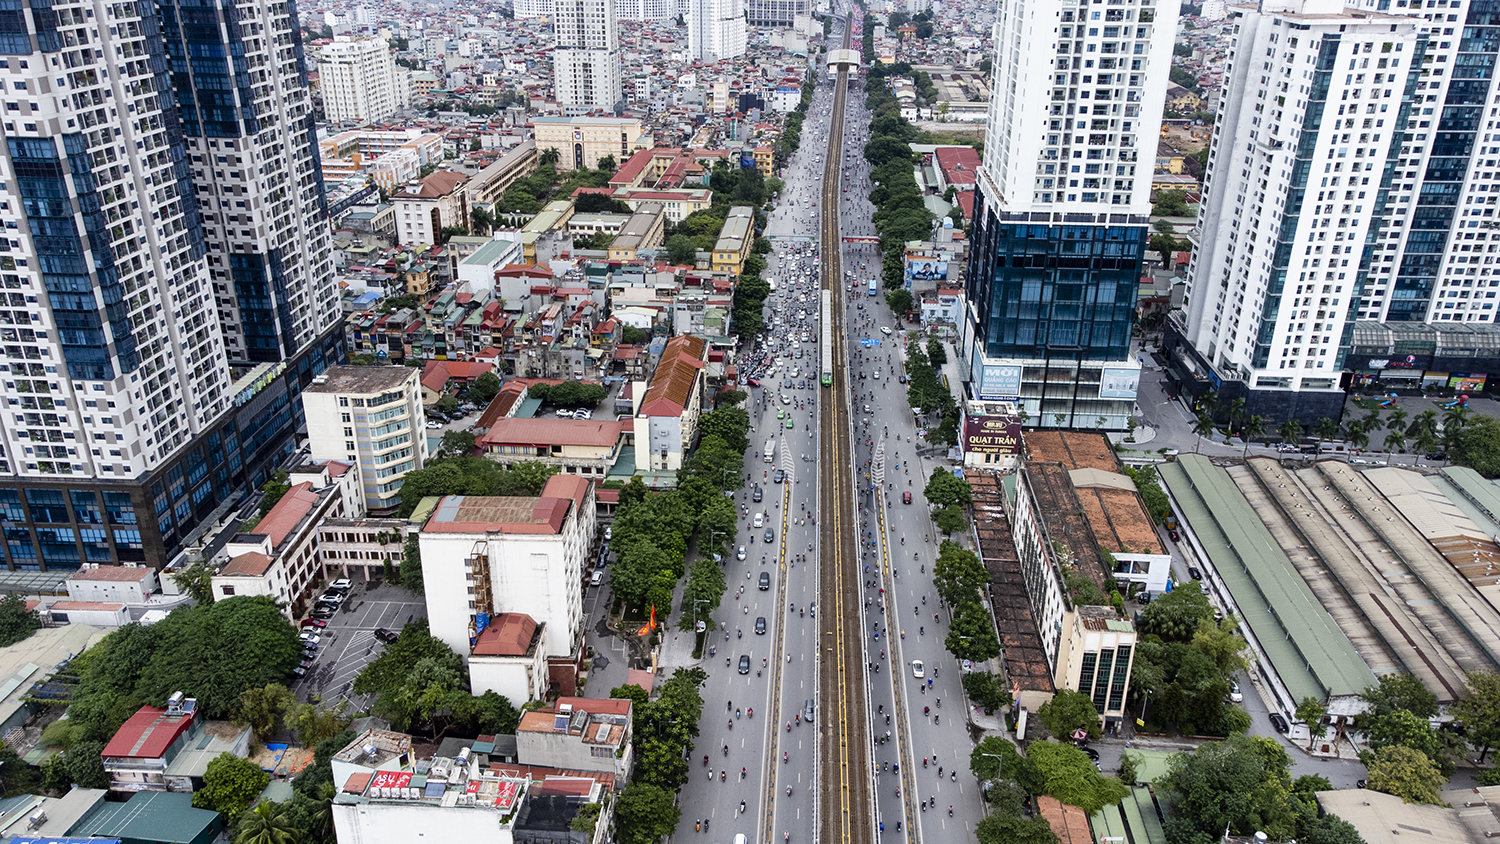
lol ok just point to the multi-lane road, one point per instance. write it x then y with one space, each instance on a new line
838 574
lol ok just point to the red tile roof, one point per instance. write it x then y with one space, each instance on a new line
118 574
543 432
573 488
509 634
283 518
249 564
147 735
498 514
676 373
960 164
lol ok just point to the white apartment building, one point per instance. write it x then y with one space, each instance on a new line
483 556
114 356
645 10
361 82
425 207
1062 207
1307 220
255 168
716 30
586 62
372 417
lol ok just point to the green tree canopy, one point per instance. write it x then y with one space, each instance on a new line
484 388
1405 772
270 823
1243 784
1175 615
1400 691
958 574
1068 775
264 708
644 813
971 634
230 785
1479 710
944 489
1068 711
17 623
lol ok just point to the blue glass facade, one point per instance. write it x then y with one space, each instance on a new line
1052 288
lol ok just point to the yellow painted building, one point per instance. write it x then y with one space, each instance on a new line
736 240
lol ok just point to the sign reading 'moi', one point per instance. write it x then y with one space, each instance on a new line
992 435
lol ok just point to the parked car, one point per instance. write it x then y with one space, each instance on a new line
596 578
1175 536
308 637
342 586
609 532
1194 573
314 623
323 612
386 636
1235 694
1280 723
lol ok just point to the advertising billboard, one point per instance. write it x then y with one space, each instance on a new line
926 269
1119 383
999 382
992 435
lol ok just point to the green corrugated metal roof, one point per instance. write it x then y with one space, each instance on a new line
159 816
1476 489
1308 651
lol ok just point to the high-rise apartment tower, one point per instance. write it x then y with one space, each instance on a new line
126 433
586 63
1346 181
1060 219
716 29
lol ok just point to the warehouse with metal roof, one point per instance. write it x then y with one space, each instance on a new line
1302 650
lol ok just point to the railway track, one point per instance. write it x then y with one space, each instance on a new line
845 812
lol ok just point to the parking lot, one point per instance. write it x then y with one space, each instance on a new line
349 642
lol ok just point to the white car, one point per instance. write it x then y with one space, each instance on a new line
311 638
433 425
741 554
917 669
1235 694
886 330
786 399
877 375
760 520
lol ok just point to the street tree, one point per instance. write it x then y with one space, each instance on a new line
645 813
1291 432
1326 429
703 593
484 388
1221 642
1068 711
1203 427
1004 828
944 489
958 574
730 424
995 758
971 634
1406 773
950 519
